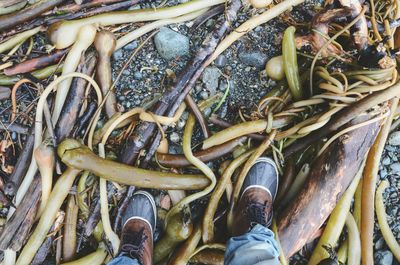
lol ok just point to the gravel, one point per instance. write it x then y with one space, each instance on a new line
171 44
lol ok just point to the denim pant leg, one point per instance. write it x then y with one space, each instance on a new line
258 246
122 260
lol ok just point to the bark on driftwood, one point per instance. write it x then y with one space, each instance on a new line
35 63
21 166
17 228
329 178
75 98
9 21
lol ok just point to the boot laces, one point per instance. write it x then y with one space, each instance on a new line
134 249
256 212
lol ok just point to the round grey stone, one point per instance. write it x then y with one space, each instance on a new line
220 61
253 58
395 167
137 75
394 138
379 243
174 137
131 46
171 44
210 78
386 161
204 94
383 257
117 55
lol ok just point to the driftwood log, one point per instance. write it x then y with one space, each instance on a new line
75 98
329 178
16 230
21 167
9 21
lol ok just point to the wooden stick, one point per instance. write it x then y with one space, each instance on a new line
35 63
17 228
10 21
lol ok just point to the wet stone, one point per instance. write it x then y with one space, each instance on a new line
379 243
253 58
131 46
386 161
395 167
394 139
383 257
210 78
220 61
171 44
117 55
174 137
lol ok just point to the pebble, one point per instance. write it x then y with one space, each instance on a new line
204 94
394 138
171 44
220 61
386 161
395 167
210 78
379 243
181 123
383 257
117 55
174 137
137 75
253 58
390 148
131 46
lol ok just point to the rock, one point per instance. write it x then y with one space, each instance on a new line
5 92
253 58
204 94
220 61
171 44
137 75
383 173
210 78
394 138
395 167
181 123
379 243
386 161
383 257
131 46
117 55
174 137
390 148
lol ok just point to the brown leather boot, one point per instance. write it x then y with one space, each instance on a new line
137 232
258 193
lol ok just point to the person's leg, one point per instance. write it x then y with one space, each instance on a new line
139 222
123 260
252 242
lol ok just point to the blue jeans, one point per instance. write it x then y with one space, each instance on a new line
257 247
